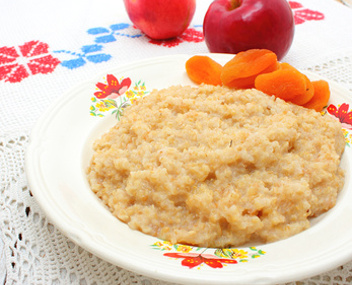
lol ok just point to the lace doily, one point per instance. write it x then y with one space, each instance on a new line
37 253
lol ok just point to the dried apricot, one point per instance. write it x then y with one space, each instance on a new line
244 67
303 98
321 96
203 69
282 83
306 96
285 65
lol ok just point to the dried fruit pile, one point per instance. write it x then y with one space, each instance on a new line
260 69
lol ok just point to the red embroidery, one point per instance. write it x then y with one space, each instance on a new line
7 54
33 48
309 15
298 20
29 59
190 35
302 15
295 5
13 73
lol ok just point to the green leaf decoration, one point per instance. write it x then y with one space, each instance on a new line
116 106
219 253
154 246
223 252
261 252
111 102
108 104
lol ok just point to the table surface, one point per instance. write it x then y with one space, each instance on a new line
47 48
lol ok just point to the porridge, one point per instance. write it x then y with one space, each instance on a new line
214 167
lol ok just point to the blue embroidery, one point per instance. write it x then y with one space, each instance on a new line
119 26
96 31
108 35
91 48
80 59
105 39
93 53
97 58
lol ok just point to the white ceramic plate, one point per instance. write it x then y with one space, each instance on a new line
59 151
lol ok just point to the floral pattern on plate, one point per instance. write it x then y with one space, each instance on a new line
344 115
195 257
112 96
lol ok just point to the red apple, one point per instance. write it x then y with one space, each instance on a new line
161 19
231 26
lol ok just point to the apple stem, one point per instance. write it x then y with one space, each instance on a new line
235 4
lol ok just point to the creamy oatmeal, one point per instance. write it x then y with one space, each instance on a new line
214 167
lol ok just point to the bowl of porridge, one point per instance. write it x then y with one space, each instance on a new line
195 184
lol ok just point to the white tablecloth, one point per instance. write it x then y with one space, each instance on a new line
46 47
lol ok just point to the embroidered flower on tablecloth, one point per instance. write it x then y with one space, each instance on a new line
302 14
189 35
109 35
88 53
19 62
